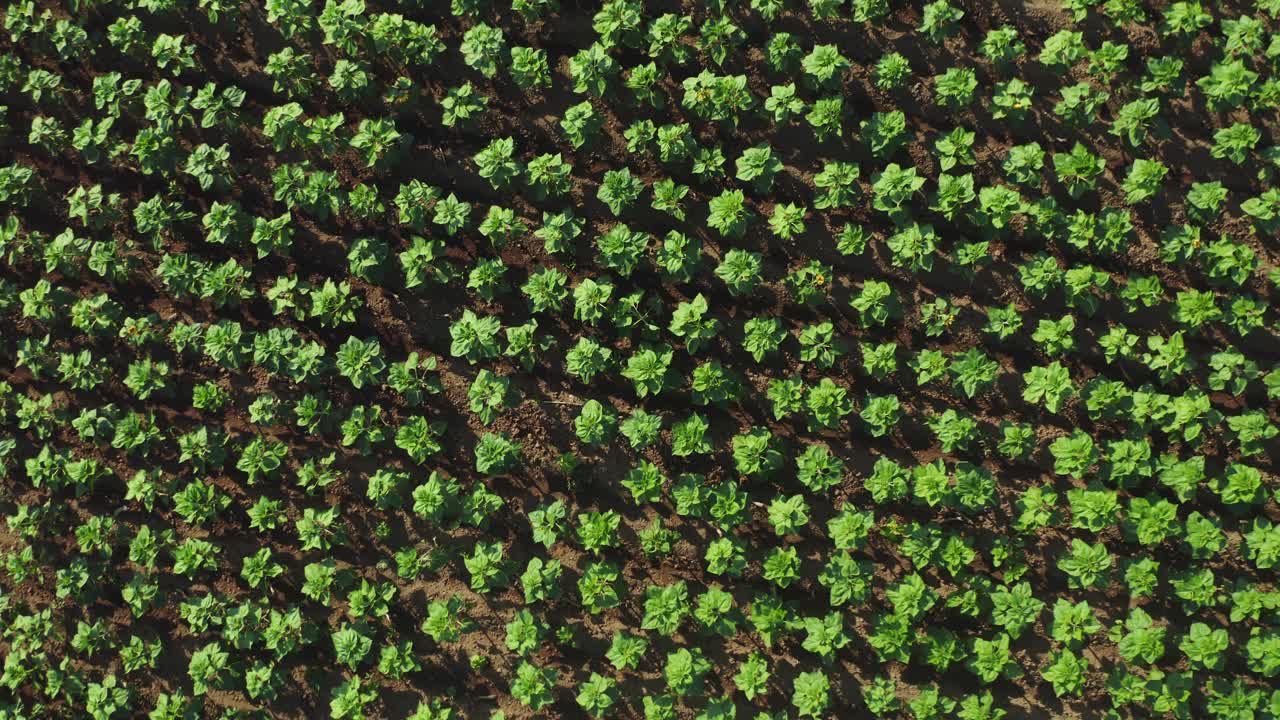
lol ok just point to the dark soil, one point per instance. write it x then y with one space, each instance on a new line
405 321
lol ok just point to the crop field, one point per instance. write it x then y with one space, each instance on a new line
696 359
